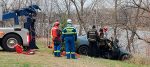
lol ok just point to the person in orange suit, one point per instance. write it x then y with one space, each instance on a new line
56 37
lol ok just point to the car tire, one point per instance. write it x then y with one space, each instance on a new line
124 57
9 41
107 55
83 50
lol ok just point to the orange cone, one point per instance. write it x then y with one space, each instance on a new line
63 53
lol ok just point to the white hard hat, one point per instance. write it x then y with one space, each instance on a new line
69 21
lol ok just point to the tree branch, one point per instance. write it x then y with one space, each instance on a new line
142 38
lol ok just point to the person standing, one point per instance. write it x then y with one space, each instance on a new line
102 42
30 25
56 34
101 33
69 35
93 38
33 34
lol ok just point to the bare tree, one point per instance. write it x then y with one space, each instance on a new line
132 17
81 22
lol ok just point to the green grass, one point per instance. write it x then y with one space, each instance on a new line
44 58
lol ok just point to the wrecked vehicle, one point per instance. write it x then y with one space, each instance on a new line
107 48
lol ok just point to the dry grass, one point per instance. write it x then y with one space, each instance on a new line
44 58
139 59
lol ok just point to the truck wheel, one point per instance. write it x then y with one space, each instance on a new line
9 41
83 50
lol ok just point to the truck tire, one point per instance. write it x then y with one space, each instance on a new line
9 41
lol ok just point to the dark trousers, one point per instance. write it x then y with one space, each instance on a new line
32 44
93 49
57 47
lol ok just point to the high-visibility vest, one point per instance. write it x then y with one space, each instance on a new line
69 31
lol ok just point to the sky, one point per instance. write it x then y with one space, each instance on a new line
104 3
107 3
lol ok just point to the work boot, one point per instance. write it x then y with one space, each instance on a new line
73 56
58 54
55 54
68 56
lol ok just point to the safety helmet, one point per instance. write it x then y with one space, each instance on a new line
69 21
56 24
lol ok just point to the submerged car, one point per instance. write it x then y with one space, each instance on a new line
109 49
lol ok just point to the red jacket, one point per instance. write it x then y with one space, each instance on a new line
55 32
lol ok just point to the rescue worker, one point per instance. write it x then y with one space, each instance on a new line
101 45
93 38
33 34
101 33
56 34
29 24
69 35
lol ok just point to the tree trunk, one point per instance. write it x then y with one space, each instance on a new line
81 22
116 20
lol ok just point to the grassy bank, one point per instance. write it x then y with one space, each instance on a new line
44 58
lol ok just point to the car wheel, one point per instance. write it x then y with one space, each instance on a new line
107 55
9 41
83 50
124 57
